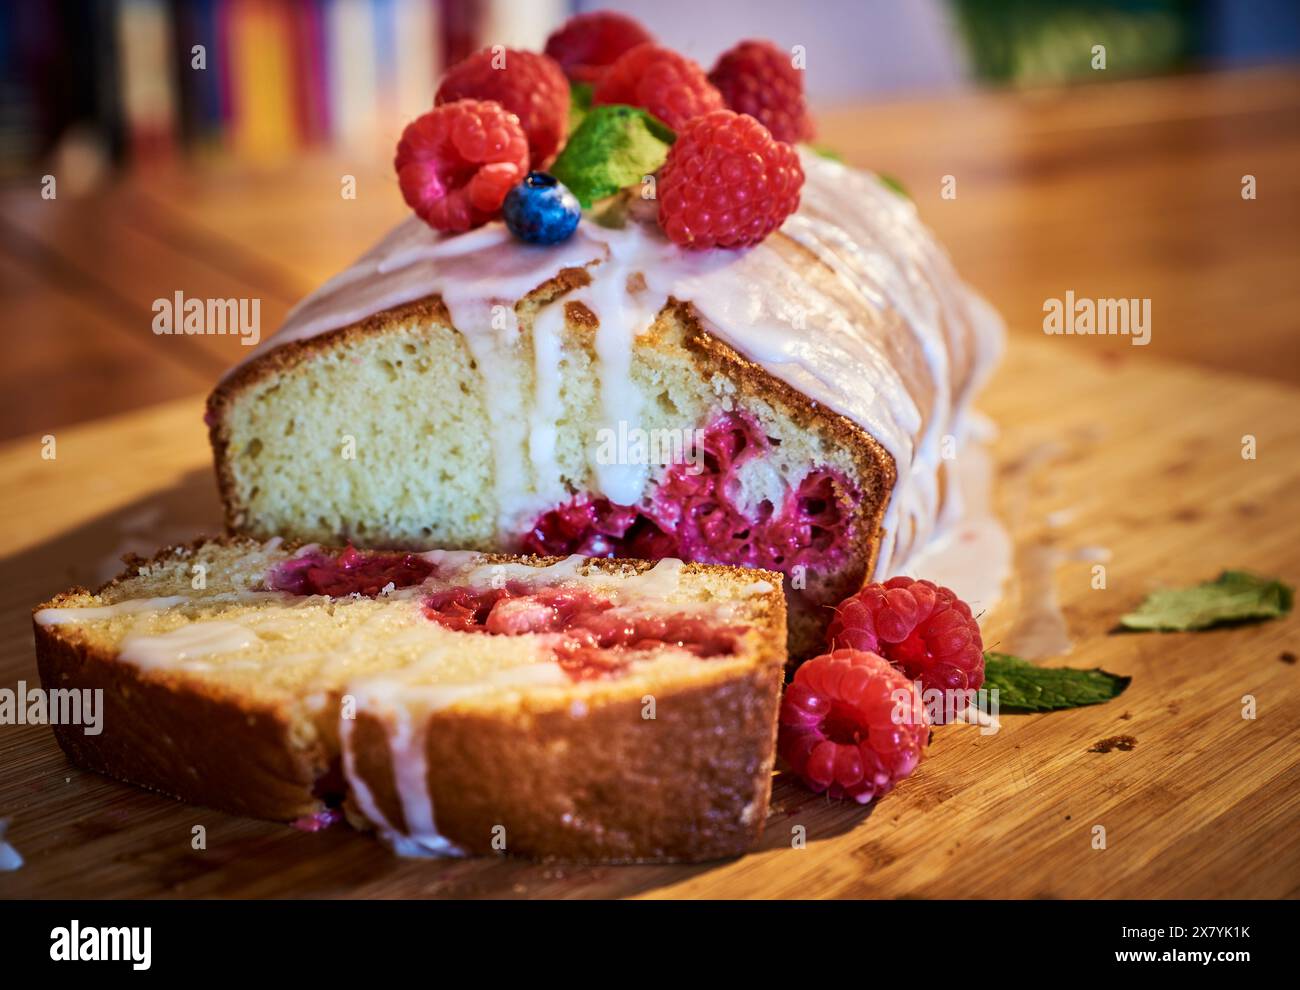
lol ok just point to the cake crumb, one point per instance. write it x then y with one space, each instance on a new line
1122 743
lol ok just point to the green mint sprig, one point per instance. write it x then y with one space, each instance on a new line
579 103
614 147
1234 596
1025 687
893 183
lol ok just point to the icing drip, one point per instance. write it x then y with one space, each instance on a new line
660 581
498 575
851 303
621 321
543 433
393 702
973 557
491 331
405 709
58 616
183 648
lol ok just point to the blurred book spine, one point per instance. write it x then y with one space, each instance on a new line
260 39
261 79
202 101
148 90
310 73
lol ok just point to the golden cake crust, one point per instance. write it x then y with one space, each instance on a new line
178 737
592 788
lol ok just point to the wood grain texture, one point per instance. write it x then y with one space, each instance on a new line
1140 457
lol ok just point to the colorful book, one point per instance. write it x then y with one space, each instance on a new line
260 57
148 90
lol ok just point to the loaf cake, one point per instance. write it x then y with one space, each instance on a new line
473 391
718 345
569 708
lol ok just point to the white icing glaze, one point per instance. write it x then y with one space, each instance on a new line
622 319
393 702
449 561
973 555
658 582
545 414
828 338
184 646
1040 629
404 709
661 581
58 616
496 575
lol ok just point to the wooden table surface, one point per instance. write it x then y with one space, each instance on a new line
1105 450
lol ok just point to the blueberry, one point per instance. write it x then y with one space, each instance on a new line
541 210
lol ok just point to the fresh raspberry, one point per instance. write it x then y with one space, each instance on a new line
530 86
586 45
759 79
924 630
456 163
852 725
658 79
727 183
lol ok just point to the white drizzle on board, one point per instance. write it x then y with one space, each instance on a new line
758 301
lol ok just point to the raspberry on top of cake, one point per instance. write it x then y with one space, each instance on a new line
514 360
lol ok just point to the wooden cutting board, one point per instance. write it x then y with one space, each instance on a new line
1132 460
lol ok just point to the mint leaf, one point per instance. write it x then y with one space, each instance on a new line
1234 596
823 151
891 182
1022 686
579 103
614 147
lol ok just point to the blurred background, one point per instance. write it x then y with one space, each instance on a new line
129 82
200 146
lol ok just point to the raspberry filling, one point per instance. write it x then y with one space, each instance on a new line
350 573
594 636
697 515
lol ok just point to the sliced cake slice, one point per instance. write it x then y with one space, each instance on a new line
569 708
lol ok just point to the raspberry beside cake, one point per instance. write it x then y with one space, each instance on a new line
574 709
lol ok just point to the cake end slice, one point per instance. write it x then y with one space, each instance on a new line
456 702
